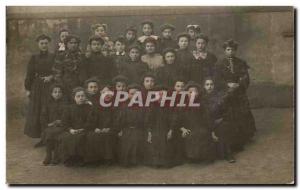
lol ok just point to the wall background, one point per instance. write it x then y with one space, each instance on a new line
265 35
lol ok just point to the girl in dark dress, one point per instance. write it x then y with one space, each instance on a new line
101 138
78 118
51 120
134 68
96 65
38 77
195 129
216 108
132 135
168 74
184 55
157 123
130 37
166 37
70 64
204 63
119 57
233 77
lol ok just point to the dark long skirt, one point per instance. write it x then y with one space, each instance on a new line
98 147
38 97
71 145
132 145
51 133
242 120
199 146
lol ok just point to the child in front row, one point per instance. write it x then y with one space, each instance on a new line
51 116
216 108
77 119
132 134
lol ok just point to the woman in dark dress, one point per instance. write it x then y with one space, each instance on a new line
195 129
97 65
134 68
184 55
233 77
101 138
70 64
38 77
158 125
204 62
78 118
51 116
132 134
168 74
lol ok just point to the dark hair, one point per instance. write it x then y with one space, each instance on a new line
183 35
77 89
43 37
95 26
150 40
167 50
230 43
148 22
63 30
56 85
120 39
203 37
70 37
194 27
167 26
131 28
96 38
93 79
134 47
134 86
119 78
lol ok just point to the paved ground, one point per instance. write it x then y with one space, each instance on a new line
269 159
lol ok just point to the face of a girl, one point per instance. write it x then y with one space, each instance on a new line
43 45
150 48
178 87
63 35
170 58
131 92
193 91
167 33
183 42
120 86
100 31
56 93
96 46
192 34
130 35
72 45
134 54
92 88
80 97
209 86
230 52
201 45
147 29
120 47
148 83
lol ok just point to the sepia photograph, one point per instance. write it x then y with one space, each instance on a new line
133 95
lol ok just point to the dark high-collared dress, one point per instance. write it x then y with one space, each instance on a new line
236 70
40 65
184 59
202 67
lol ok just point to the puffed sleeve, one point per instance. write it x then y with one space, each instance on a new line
30 73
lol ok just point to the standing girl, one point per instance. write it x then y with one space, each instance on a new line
148 31
204 64
193 30
51 116
153 59
232 73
